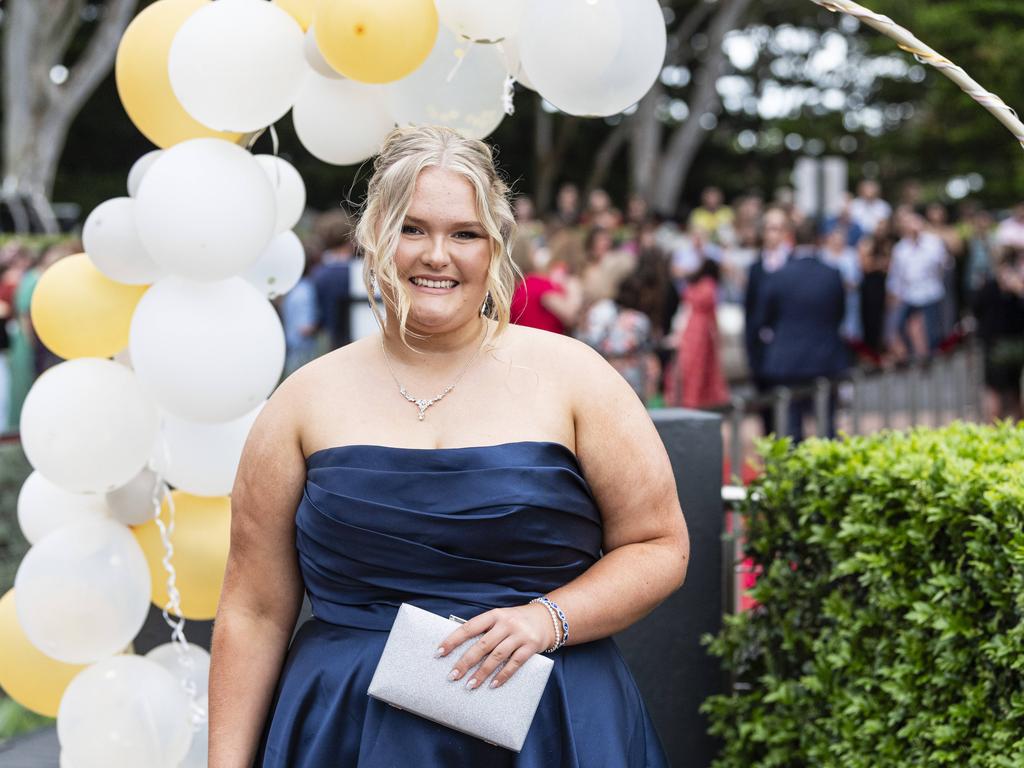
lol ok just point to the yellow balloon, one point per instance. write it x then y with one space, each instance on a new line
28 675
142 80
202 533
300 10
375 41
77 311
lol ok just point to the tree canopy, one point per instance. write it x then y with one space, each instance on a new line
788 78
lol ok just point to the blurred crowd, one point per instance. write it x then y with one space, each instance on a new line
750 294
22 356
756 292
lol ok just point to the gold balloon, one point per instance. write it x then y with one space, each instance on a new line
77 311
28 675
300 10
142 80
374 41
202 533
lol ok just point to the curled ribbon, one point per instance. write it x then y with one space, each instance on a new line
926 55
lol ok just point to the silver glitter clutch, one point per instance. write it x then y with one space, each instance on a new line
409 677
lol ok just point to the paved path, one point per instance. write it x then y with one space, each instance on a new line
39 749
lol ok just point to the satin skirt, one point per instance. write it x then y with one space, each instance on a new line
590 715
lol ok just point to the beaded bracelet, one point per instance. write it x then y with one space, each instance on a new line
554 624
560 638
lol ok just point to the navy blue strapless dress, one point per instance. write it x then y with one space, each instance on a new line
453 531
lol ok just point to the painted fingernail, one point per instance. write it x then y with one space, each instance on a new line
439 652
472 683
454 674
494 683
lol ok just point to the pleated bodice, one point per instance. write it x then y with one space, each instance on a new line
380 525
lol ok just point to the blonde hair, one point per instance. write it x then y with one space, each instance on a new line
405 153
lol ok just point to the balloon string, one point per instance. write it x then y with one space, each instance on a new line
275 142
460 54
162 492
276 145
253 138
926 55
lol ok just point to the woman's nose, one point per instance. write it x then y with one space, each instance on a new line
436 254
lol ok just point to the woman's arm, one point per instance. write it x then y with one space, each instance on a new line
646 545
565 305
262 590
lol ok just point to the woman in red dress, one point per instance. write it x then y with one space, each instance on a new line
547 298
694 379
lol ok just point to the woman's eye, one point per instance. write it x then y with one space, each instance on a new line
466 235
409 229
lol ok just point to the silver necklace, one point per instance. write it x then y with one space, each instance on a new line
420 403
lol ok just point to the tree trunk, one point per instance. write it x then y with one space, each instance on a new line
549 152
38 112
605 156
686 140
645 143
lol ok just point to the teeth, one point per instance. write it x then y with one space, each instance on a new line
434 283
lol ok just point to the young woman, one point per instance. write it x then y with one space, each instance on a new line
458 463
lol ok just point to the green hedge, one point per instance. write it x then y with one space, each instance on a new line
14 469
889 630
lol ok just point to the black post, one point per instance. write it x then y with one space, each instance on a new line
673 670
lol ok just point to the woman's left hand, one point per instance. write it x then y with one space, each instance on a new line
509 635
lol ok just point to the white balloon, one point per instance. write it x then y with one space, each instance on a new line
190 666
44 507
482 22
112 241
340 121
202 457
138 171
87 425
207 351
509 48
592 57
289 190
315 59
206 209
235 65
472 100
83 591
280 267
199 753
124 712
132 503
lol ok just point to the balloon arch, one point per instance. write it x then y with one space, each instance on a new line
171 345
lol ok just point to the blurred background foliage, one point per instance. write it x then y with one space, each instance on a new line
797 79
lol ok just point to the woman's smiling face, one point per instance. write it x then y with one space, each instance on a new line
443 253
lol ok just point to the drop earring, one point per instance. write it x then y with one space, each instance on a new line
488 305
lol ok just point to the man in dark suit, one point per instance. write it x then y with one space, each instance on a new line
332 276
803 307
777 244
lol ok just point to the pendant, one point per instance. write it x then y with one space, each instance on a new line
423 405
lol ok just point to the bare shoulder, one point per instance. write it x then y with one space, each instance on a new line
554 352
577 367
305 396
272 466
